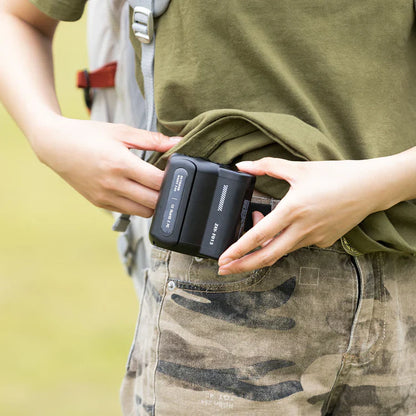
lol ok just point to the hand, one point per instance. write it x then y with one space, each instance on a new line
94 158
325 201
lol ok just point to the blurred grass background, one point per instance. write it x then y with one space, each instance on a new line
67 310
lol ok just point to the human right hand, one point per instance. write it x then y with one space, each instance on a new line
94 158
326 199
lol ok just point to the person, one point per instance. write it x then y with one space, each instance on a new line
311 311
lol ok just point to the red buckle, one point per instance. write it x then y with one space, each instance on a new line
103 77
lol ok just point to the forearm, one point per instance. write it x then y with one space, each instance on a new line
26 75
398 172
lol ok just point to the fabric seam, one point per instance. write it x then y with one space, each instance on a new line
159 331
345 362
248 282
136 331
379 343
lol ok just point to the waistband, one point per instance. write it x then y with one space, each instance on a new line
265 200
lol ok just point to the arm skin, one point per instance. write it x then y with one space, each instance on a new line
325 201
93 157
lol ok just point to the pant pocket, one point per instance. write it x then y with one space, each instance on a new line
201 275
267 342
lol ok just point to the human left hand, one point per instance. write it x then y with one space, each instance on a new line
325 200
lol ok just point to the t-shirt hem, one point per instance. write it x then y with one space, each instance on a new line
59 11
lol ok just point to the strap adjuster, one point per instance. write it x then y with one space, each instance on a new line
88 94
122 222
143 24
103 77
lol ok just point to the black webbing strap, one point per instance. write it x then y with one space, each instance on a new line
254 206
124 220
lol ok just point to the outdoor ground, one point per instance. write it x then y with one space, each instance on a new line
67 310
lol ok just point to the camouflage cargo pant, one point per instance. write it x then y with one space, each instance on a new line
319 333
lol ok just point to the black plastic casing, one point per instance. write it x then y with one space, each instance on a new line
202 207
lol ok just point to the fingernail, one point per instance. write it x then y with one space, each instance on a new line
175 139
222 271
246 164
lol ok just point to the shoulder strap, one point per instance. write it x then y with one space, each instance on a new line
143 13
143 28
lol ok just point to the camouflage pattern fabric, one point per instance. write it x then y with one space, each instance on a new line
318 333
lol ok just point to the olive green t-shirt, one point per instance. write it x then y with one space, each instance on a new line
298 79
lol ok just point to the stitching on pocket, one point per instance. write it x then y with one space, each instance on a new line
255 277
365 358
381 295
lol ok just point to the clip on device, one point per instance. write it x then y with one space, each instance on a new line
202 207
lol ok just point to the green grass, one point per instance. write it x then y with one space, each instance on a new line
67 310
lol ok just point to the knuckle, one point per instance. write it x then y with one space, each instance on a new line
259 237
266 160
236 269
101 200
267 163
148 201
300 210
146 213
156 181
267 259
238 252
107 184
156 138
115 166
112 165
153 202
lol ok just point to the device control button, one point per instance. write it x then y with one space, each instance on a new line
174 199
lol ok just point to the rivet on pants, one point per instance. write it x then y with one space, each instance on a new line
171 285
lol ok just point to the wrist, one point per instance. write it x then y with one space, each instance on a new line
395 178
43 132
404 164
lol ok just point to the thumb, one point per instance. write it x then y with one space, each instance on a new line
275 167
148 140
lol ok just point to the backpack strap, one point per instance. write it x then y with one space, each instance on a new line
103 77
143 27
144 12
